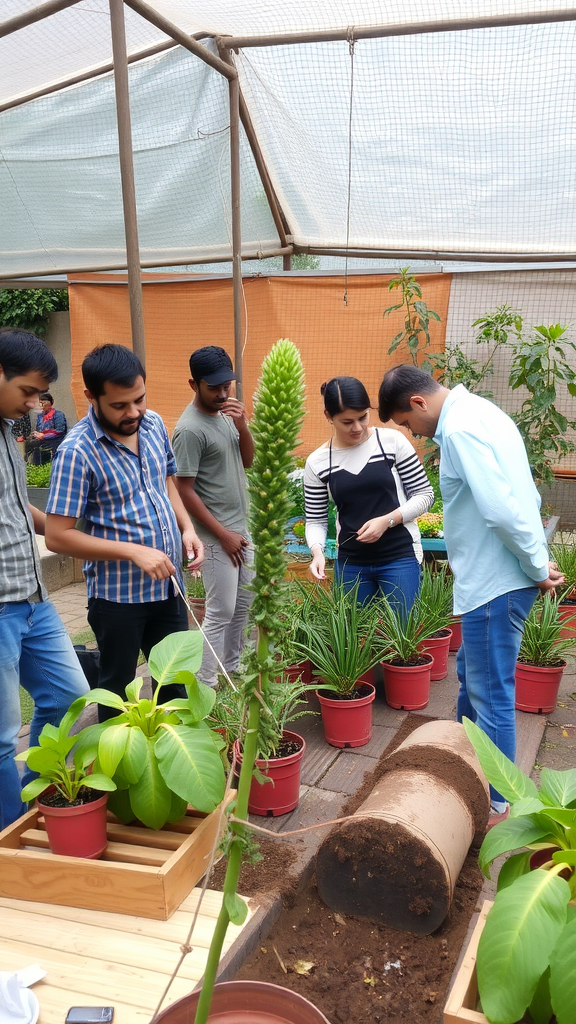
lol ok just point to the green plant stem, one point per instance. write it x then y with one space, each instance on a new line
235 856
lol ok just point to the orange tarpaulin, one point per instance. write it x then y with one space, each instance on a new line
334 337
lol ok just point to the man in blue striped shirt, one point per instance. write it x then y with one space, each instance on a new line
115 470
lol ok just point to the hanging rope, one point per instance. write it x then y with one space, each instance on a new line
350 37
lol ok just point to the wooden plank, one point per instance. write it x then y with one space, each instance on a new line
10 836
137 836
461 1002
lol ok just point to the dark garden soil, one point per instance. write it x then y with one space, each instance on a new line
355 971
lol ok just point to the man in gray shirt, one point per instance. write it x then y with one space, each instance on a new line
35 650
213 446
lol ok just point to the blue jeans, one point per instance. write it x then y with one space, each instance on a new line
35 651
486 665
399 581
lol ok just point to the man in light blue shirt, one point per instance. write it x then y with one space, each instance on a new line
494 538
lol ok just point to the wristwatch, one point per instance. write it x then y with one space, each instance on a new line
391 523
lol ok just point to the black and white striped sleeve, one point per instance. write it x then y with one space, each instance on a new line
316 506
417 487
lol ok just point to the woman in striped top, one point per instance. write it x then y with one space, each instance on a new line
379 487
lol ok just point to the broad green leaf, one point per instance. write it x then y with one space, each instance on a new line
119 804
511 834
527 805
99 781
106 697
191 765
135 754
563 815
541 1007
498 769
177 808
150 797
201 700
49 736
563 974
175 652
71 716
112 746
565 857
133 689
34 788
42 760
512 868
520 933
87 742
237 909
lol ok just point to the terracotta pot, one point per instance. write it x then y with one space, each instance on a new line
456 638
198 606
407 686
246 1002
347 723
282 794
567 615
537 688
438 646
76 831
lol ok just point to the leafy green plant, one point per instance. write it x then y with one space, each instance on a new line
161 756
50 760
436 593
527 951
431 524
278 413
542 644
402 634
38 476
417 316
539 365
194 585
341 636
30 307
565 557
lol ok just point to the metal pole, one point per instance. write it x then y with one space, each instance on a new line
188 42
234 93
127 176
406 29
32 16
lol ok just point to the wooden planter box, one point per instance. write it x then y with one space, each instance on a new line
142 871
461 1004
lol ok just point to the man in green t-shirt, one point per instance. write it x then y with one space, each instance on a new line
213 446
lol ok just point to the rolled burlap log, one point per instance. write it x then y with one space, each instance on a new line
397 859
442 749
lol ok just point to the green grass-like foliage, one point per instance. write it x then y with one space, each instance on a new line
527 951
63 761
565 557
402 634
161 756
541 643
38 476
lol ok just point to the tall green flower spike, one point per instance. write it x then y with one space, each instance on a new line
278 414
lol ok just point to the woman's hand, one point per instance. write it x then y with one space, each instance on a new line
318 563
373 529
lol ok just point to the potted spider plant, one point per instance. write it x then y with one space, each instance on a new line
342 643
436 592
526 960
406 668
564 555
71 795
542 658
279 750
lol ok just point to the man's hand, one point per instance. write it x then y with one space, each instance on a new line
193 547
237 412
555 579
155 564
234 545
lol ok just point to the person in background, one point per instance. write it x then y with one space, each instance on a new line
51 428
213 447
379 487
35 650
494 539
115 469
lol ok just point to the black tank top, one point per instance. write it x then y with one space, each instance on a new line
362 496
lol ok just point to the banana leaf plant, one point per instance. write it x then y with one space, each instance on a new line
161 757
527 952
278 413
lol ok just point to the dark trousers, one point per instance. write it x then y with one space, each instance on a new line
122 631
